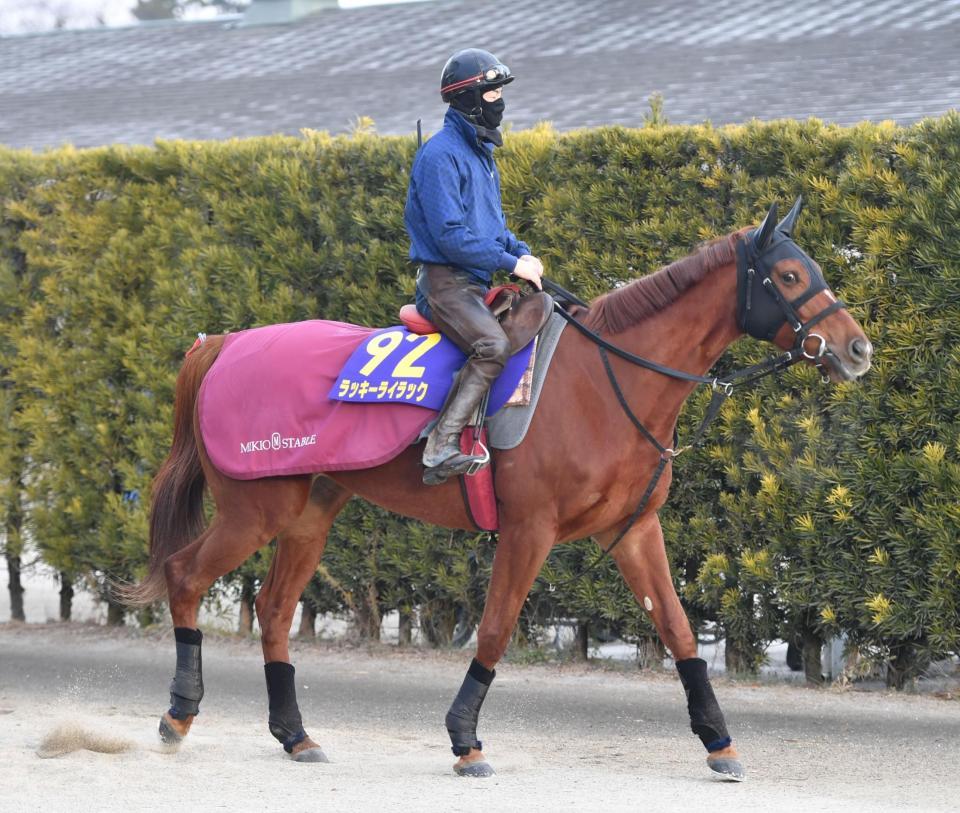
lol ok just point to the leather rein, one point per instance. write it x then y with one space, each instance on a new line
755 317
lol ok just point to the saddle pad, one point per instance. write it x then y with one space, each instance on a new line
264 409
509 426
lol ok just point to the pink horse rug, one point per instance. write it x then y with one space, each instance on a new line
277 400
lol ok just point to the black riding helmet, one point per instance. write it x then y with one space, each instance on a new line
469 74
472 69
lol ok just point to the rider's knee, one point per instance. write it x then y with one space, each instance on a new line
494 349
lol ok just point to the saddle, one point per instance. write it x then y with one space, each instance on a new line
521 317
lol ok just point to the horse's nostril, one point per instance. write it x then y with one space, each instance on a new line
860 349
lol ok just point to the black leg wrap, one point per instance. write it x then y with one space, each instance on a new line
465 712
706 719
186 690
285 721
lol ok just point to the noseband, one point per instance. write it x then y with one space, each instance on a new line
762 309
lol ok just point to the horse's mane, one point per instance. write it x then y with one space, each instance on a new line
617 310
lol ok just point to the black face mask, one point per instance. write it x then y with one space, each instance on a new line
491 113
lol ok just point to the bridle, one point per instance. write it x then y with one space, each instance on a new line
762 310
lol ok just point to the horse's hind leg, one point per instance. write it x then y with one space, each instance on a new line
299 549
642 560
249 514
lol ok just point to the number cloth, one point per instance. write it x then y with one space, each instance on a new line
266 409
396 365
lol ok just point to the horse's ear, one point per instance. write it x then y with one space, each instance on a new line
790 218
765 230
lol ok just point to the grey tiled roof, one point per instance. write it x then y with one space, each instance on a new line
578 63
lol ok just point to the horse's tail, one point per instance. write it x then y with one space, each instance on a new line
176 510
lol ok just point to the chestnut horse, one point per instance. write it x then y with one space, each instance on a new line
581 471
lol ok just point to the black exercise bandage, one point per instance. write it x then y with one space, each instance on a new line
186 690
462 718
285 721
706 719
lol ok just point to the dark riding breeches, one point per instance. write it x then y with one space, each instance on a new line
458 310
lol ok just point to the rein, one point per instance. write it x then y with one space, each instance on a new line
722 388
721 391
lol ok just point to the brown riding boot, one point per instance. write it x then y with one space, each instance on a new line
442 457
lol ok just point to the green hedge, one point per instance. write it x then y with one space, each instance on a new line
811 511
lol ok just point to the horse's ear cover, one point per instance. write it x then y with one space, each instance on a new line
765 230
790 218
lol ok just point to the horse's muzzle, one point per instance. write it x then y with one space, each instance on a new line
852 362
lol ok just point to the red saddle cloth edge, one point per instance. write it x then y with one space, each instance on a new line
479 495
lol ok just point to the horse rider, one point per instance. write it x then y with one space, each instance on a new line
459 237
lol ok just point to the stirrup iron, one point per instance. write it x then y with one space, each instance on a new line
478 464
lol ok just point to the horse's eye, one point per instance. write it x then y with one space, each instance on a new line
789 278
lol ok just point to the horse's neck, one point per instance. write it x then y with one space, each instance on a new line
690 334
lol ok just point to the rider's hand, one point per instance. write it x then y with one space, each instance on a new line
529 268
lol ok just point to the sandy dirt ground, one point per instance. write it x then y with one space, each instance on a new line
560 737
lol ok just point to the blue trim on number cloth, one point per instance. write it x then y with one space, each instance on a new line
719 745
441 364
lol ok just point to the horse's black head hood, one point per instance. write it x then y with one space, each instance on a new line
758 311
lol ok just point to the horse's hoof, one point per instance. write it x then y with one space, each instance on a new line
726 769
310 755
168 734
478 769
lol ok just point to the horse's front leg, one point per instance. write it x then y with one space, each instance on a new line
521 552
642 560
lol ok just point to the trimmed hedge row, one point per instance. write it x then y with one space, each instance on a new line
811 511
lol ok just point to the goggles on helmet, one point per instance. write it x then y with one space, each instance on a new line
493 76
496 74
